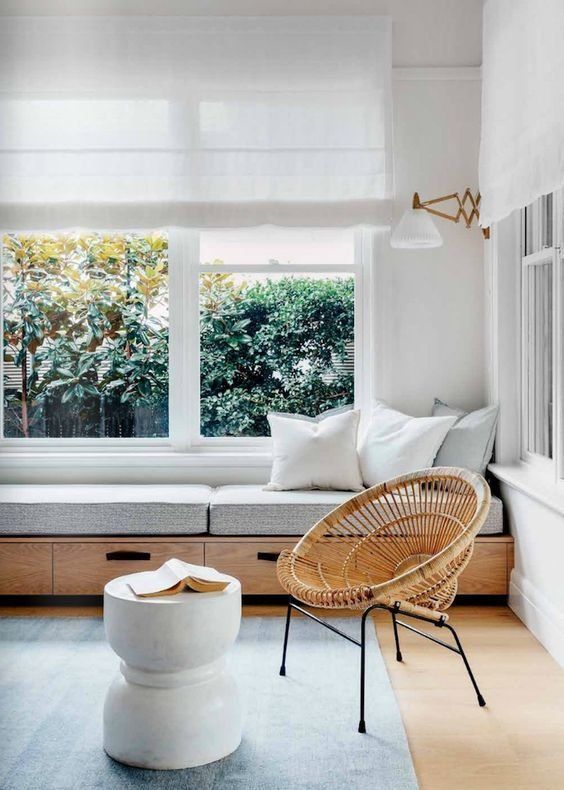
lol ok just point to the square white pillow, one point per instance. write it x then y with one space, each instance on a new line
308 454
395 444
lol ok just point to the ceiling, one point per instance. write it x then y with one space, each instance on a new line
426 32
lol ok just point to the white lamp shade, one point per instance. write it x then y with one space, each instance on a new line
416 230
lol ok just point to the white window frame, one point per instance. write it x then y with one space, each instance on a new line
541 258
184 341
552 469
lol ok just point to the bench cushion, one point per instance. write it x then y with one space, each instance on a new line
250 510
104 509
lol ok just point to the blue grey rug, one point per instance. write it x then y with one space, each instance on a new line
299 731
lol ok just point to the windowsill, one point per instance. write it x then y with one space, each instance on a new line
163 458
529 481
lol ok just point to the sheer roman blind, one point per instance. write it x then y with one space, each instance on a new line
522 145
204 122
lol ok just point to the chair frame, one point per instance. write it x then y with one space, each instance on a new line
442 623
393 596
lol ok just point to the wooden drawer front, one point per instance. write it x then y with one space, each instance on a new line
257 576
486 573
26 569
84 568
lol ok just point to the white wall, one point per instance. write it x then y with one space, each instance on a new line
537 583
432 302
426 32
434 342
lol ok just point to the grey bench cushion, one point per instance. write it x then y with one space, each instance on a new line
249 510
104 509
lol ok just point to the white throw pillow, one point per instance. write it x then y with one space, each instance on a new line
309 454
395 444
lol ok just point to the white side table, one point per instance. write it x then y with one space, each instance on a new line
174 704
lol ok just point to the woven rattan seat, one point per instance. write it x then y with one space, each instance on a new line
405 540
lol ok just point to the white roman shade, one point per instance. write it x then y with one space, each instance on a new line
522 145
205 122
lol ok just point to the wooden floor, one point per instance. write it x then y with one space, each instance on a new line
516 742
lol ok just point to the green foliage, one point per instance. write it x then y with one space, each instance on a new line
85 324
272 346
86 335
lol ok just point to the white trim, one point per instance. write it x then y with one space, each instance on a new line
505 276
529 312
436 73
540 616
529 479
126 461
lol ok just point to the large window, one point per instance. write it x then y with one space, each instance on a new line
106 335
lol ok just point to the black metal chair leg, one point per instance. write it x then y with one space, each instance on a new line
286 634
362 722
481 700
396 637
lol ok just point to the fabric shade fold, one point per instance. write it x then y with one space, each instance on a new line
194 121
522 140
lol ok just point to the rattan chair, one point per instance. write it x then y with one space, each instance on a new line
399 546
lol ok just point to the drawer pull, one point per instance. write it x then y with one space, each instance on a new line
269 556
128 555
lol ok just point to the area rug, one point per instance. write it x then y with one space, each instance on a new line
299 731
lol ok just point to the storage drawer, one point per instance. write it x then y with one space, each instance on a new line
26 569
84 568
254 564
487 571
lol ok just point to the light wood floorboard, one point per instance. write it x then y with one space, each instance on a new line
515 742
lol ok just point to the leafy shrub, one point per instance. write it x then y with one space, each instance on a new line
86 341
273 345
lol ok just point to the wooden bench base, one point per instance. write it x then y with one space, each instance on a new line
82 566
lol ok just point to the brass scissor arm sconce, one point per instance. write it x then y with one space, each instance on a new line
468 207
416 230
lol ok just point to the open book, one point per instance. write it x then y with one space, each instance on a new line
175 576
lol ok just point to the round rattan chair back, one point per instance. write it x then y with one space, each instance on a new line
404 540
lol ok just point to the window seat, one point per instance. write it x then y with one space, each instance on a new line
70 540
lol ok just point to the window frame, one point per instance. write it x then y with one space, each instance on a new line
541 258
541 254
184 343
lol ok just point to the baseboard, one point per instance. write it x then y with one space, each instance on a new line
51 600
98 600
480 600
540 616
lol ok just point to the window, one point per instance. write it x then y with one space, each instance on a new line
86 335
107 334
539 280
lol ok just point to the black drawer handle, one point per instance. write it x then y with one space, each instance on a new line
269 556
128 555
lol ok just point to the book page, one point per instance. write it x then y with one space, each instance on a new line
148 582
170 574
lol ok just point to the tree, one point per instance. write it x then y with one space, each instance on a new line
86 331
85 323
272 346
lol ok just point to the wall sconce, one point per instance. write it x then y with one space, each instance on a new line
416 230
